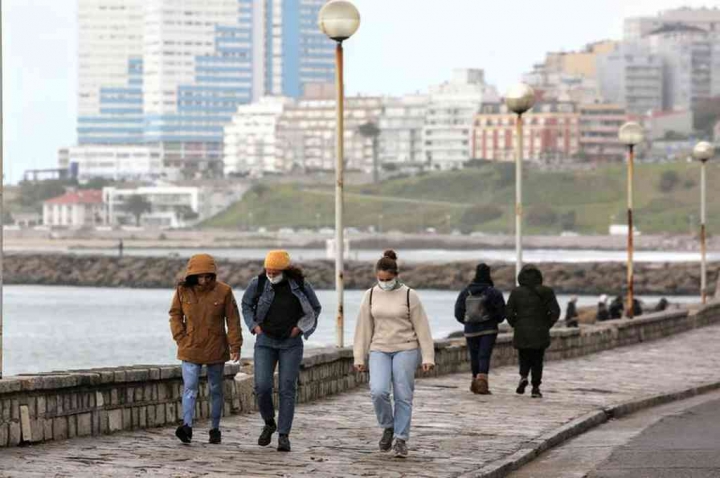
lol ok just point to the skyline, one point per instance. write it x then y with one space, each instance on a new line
40 62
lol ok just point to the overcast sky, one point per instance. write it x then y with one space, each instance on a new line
402 46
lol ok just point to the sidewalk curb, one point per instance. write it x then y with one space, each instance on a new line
580 425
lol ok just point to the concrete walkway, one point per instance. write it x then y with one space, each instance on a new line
454 432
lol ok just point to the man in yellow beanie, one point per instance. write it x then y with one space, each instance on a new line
279 307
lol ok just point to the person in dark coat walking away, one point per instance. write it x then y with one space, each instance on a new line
603 313
532 310
571 313
616 308
480 307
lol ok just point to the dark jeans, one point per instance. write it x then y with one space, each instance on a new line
532 360
288 353
480 349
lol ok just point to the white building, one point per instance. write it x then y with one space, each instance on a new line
113 162
708 19
632 76
448 129
401 131
169 206
75 209
170 74
252 142
687 56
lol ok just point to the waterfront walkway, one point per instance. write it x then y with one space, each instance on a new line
454 432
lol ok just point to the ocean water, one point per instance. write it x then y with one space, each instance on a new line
50 328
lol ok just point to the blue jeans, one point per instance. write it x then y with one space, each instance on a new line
191 382
287 354
396 369
480 349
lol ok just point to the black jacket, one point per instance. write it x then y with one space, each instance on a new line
495 303
532 310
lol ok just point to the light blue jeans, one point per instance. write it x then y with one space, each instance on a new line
191 382
396 369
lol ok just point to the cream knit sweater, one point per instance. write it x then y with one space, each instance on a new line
390 328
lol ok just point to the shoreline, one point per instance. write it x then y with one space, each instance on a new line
589 278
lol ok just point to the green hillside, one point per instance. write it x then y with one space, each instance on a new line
482 199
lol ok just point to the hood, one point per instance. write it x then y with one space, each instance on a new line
530 276
201 264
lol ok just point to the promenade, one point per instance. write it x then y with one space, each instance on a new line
455 433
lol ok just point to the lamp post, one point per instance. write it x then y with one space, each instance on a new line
702 152
2 208
630 134
519 99
339 20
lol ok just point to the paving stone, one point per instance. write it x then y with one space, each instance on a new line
454 432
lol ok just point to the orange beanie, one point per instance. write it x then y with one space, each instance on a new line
277 260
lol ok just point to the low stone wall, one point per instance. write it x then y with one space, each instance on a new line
63 405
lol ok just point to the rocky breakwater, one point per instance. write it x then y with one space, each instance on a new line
145 272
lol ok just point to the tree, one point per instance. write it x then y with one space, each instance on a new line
137 206
371 130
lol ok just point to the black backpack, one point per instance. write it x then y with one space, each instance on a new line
476 309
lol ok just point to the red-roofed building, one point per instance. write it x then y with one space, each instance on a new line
75 209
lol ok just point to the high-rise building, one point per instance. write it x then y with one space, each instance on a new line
687 56
295 52
632 76
110 72
170 74
401 127
707 19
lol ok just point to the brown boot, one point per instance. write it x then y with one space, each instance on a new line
474 386
483 384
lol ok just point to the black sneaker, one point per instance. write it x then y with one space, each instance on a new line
522 386
267 433
284 443
400 449
184 433
386 440
215 436
536 392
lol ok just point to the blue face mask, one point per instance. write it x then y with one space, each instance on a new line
387 284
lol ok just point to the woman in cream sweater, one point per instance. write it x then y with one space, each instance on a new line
393 328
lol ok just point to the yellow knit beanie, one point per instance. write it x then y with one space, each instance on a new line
277 260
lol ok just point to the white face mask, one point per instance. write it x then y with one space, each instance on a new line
387 284
276 280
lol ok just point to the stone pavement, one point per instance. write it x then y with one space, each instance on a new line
454 432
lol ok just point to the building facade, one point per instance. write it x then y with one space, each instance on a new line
551 132
401 132
708 19
451 111
75 209
169 206
599 126
171 74
632 76
114 162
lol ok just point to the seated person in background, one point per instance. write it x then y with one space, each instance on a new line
617 308
571 313
603 313
662 305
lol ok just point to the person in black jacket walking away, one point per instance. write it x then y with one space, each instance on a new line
532 310
480 308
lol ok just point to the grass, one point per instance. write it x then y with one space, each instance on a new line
441 200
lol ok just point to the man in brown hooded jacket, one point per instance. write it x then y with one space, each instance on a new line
201 310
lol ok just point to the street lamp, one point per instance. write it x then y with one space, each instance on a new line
519 99
630 134
339 20
702 152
